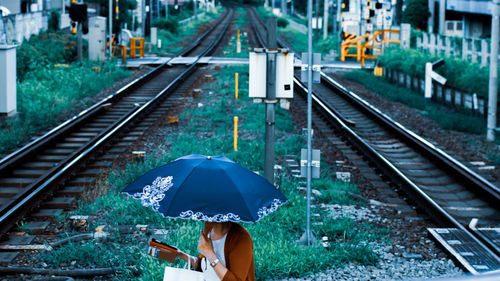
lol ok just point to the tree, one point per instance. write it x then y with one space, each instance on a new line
416 14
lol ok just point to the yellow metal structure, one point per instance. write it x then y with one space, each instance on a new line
235 133
378 71
136 44
375 42
236 85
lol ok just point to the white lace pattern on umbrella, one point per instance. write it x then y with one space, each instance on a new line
199 216
152 194
264 211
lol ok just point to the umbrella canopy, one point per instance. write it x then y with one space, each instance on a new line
206 188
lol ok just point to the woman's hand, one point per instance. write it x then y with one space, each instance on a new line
205 247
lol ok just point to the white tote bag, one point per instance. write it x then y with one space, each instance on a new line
182 274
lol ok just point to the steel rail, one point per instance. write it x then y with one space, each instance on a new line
12 211
434 209
13 159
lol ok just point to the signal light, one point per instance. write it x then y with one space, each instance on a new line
73 27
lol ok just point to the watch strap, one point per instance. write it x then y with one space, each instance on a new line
214 263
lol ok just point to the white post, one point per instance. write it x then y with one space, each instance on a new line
325 19
484 53
428 80
8 87
110 27
154 36
430 20
493 85
447 47
442 11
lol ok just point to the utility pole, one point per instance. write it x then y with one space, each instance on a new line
272 6
442 15
316 14
430 20
110 27
195 11
493 86
143 17
337 20
308 235
80 43
325 19
270 99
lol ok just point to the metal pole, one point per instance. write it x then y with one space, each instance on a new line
195 10
79 42
442 15
309 119
272 6
143 17
110 27
270 100
283 7
325 19
166 10
493 86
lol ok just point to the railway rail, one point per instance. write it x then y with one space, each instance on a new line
46 174
447 190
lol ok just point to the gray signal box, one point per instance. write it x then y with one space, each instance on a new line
97 38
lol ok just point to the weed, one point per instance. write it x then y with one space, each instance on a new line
276 252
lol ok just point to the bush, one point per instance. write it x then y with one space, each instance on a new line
416 13
45 50
54 20
466 76
171 25
282 22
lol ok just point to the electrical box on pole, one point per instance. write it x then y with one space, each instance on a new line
258 74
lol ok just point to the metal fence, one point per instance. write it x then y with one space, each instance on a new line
469 49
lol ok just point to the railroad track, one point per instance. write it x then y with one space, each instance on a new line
447 190
40 180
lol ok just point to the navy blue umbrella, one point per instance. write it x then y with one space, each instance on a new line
206 188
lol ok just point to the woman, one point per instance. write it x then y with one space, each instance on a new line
226 252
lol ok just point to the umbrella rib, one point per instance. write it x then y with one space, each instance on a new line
177 189
242 197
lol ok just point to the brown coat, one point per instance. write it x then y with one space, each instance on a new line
238 252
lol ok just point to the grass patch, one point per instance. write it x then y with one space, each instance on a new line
207 129
42 100
240 20
444 117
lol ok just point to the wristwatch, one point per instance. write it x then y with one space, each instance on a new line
214 263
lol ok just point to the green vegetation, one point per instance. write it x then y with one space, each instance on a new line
51 85
298 39
469 77
447 119
211 124
240 19
174 37
49 95
417 13
45 50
